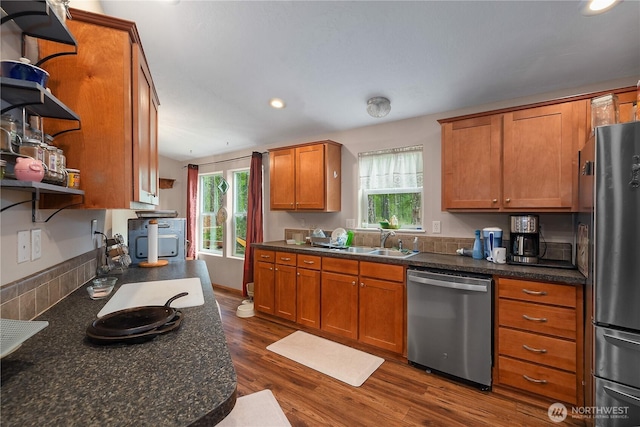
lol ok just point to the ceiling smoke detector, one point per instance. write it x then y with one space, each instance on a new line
378 106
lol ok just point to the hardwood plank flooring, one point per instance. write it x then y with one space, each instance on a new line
395 395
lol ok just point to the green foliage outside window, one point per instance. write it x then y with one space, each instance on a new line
241 201
405 206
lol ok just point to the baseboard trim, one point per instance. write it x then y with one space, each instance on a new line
228 289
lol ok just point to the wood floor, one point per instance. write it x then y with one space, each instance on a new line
395 395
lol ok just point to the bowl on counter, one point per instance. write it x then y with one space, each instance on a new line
22 70
101 287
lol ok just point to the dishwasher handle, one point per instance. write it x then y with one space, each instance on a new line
446 284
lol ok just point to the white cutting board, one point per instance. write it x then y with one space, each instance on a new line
155 293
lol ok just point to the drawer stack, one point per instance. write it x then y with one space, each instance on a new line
540 338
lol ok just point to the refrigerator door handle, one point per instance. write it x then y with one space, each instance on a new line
630 344
625 397
635 172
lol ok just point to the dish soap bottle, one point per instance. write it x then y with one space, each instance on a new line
477 247
415 245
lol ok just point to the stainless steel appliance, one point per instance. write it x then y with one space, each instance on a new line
608 228
524 239
171 239
449 327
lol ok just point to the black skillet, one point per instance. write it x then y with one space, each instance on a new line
134 321
141 337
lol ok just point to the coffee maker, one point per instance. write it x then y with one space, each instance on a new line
524 239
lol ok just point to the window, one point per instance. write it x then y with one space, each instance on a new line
240 202
215 225
211 200
391 184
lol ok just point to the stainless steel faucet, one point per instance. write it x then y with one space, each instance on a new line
384 235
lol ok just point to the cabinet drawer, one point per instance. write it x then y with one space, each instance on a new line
544 319
538 379
339 265
266 256
376 270
286 258
311 262
545 293
552 352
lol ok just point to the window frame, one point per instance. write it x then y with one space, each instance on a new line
363 194
212 215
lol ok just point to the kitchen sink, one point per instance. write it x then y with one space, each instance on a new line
360 249
391 253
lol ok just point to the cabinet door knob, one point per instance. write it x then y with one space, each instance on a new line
508 200
353 283
494 201
361 284
297 274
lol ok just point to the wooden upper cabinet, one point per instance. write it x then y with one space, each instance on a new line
471 163
109 85
540 156
282 179
306 177
145 140
513 161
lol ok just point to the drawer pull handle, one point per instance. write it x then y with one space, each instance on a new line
265 256
528 292
309 262
285 259
535 319
533 380
535 350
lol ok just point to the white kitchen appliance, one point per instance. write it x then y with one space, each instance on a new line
171 239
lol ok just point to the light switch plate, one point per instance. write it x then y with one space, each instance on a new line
24 246
36 244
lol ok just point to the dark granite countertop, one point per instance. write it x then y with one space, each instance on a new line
185 377
444 262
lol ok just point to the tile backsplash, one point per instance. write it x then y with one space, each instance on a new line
27 298
438 245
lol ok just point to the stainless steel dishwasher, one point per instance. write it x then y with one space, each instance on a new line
450 324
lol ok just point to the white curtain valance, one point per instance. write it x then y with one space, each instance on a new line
390 169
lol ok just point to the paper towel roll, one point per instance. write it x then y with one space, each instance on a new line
152 239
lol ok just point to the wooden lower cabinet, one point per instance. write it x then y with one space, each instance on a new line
381 319
540 339
285 292
308 290
339 304
359 300
264 287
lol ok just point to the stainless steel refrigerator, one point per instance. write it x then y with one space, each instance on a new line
608 253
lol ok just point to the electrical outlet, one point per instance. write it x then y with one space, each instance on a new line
24 246
351 223
435 227
36 244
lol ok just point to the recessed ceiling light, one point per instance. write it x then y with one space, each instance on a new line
277 103
595 7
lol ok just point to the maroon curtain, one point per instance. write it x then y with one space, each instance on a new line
254 217
192 209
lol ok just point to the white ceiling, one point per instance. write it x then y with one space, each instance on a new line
216 64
